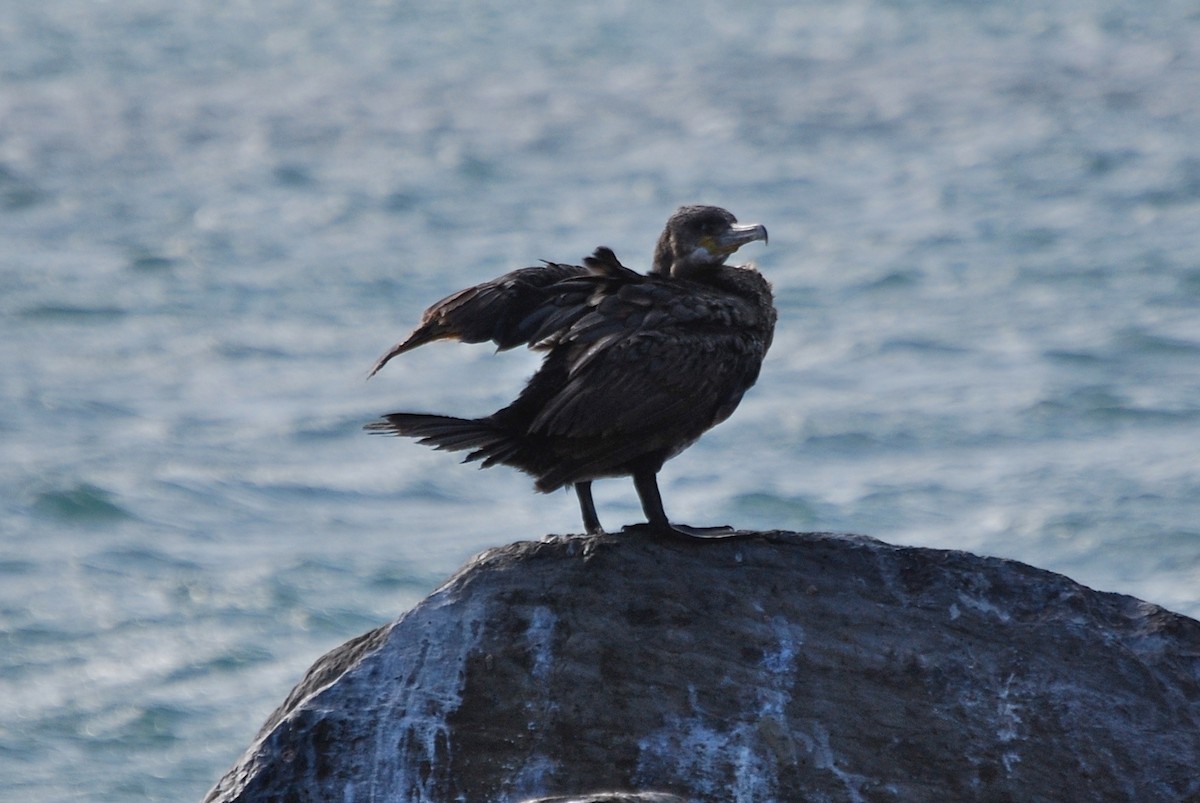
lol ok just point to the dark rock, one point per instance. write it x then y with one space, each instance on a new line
614 797
762 667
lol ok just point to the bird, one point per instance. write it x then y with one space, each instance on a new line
636 368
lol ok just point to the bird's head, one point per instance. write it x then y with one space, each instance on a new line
698 238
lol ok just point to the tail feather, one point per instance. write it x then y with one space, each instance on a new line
507 452
492 444
489 443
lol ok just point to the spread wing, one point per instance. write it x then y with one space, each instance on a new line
525 306
503 310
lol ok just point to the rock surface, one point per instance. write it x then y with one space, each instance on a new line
761 667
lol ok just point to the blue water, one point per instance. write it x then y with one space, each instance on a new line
214 216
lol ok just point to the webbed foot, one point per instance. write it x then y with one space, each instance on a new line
678 531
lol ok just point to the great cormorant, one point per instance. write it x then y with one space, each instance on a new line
637 367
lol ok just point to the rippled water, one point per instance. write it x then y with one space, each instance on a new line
215 216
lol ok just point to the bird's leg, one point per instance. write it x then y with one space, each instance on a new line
591 522
646 483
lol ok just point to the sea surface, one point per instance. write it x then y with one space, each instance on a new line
215 216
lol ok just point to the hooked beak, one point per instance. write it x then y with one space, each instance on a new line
737 236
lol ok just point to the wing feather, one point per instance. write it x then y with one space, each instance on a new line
652 382
507 310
